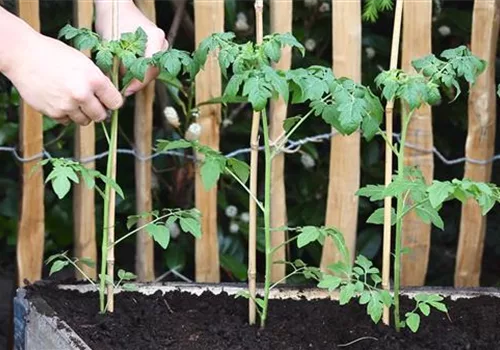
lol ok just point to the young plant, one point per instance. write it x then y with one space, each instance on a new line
340 102
409 187
127 51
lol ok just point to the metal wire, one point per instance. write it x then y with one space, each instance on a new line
290 147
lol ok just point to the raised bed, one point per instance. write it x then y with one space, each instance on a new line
193 316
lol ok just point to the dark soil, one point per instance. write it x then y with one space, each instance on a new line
183 321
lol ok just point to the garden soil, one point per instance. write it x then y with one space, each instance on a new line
211 322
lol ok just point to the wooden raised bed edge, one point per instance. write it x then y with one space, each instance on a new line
37 327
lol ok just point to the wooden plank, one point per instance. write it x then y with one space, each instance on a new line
30 235
209 18
84 198
417 42
480 141
143 138
281 22
342 203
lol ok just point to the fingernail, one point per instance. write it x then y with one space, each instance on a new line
129 92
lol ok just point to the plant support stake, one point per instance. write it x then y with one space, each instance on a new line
386 253
254 145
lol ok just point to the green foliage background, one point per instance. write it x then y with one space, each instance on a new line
306 187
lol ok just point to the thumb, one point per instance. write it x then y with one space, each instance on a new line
108 94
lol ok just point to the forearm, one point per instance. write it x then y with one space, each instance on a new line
14 33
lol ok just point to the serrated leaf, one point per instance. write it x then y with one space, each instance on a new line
167 145
307 235
374 192
365 297
377 217
104 60
428 214
330 282
439 192
346 293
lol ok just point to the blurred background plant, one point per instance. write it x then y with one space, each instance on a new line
306 170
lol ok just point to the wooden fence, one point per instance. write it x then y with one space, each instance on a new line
344 159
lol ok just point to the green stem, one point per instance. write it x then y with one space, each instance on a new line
267 216
399 223
75 265
283 244
107 193
259 204
287 276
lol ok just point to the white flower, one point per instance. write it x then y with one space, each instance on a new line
171 116
195 113
310 44
227 122
307 161
325 7
444 30
370 52
310 3
193 132
174 229
234 227
231 211
245 217
241 24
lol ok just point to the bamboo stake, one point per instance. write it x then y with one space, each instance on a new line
281 22
30 234
84 197
112 194
417 42
480 141
143 134
386 253
254 145
209 17
345 168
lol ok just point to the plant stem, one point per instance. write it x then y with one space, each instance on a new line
399 222
283 243
259 204
267 216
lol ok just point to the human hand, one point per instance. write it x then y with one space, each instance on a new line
60 81
131 18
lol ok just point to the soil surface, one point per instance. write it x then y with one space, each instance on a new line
183 321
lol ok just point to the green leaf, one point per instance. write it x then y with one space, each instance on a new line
167 145
413 321
233 85
377 217
160 233
139 68
272 49
329 282
365 297
175 256
126 276
307 235
438 306
112 183
290 122
375 309
374 192
61 186
57 266
424 308
258 92
132 220
439 192
239 168
346 293
428 214
104 60
130 287
210 172
191 225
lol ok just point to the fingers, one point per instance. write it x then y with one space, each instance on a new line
107 93
93 109
63 120
80 118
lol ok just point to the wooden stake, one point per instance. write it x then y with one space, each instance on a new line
112 196
281 22
342 202
143 135
254 145
417 42
209 17
386 252
480 141
31 230
84 197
